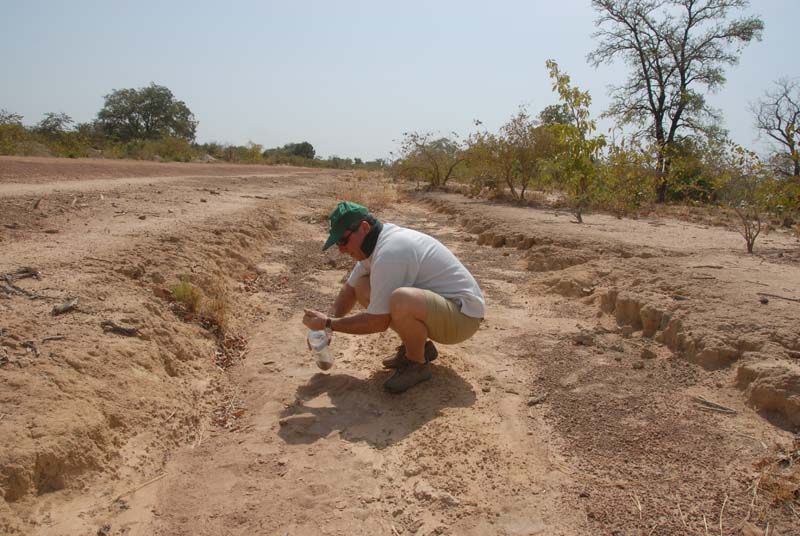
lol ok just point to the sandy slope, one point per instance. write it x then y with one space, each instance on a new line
572 411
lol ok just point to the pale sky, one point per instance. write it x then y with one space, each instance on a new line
348 76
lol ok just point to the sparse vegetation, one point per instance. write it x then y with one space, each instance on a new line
216 306
187 295
369 188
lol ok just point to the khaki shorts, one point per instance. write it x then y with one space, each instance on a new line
445 321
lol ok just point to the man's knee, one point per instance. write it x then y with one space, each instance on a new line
408 300
363 290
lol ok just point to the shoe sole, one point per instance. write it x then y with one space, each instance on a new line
396 362
395 391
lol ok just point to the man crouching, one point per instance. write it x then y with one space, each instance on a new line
407 281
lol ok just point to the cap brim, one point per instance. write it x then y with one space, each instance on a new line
332 239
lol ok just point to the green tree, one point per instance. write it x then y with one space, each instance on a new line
146 113
674 49
302 149
575 163
627 177
555 114
54 124
10 118
435 158
12 133
492 159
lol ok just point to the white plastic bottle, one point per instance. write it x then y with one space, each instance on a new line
318 340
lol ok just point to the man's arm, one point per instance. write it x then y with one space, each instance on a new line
359 324
345 301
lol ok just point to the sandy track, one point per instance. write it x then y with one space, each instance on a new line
548 421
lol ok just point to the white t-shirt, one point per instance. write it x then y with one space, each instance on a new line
407 258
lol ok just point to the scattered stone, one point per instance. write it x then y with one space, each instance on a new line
583 339
764 300
65 307
647 353
486 389
638 365
627 331
412 470
538 399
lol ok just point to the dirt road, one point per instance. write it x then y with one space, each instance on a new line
576 409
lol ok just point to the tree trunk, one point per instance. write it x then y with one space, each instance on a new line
662 174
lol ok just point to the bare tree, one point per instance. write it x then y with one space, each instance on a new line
675 49
777 115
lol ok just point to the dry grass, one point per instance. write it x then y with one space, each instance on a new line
778 483
371 189
216 306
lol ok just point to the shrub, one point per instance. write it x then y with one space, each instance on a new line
187 294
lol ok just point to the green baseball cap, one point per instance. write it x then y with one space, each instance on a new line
343 216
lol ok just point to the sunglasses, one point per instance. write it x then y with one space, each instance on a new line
342 242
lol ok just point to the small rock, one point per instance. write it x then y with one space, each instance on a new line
283 422
647 353
486 389
142 217
583 494
412 470
535 400
627 331
202 200
764 300
105 530
638 365
583 339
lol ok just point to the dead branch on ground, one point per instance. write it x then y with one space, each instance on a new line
30 345
137 488
110 325
8 286
777 296
713 406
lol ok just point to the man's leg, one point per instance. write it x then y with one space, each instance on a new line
408 309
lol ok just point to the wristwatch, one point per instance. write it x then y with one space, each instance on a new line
329 323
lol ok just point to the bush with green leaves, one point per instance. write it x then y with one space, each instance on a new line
575 165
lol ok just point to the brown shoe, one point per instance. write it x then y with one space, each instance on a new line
407 376
399 359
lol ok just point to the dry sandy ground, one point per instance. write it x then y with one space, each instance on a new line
576 409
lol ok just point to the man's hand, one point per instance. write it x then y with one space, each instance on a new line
314 319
